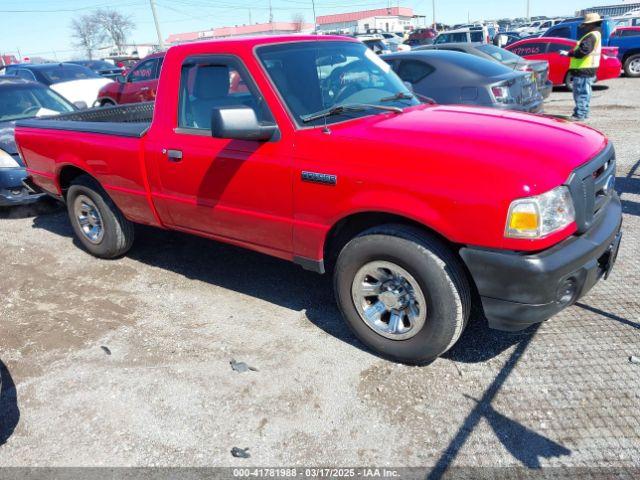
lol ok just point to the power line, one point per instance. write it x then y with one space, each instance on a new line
69 10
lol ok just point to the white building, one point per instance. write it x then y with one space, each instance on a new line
392 19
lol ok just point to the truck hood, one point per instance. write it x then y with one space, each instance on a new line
529 146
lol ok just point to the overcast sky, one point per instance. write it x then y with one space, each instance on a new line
41 27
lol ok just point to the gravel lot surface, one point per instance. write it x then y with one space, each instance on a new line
127 362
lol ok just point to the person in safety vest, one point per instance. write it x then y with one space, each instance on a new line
585 60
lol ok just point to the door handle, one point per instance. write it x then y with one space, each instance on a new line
144 89
173 155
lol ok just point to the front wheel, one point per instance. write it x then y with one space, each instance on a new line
632 66
402 292
97 222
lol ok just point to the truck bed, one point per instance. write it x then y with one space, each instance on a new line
130 120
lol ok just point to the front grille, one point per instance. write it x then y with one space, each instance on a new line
591 187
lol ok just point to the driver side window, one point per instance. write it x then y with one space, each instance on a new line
144 72
214 82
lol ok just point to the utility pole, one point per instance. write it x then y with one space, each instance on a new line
315 25
250 23
528 9
155 20
433 4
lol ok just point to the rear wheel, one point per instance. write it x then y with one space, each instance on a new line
402 292
632 66
96 220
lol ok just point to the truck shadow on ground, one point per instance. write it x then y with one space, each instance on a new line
630 184
524 444
41 207
273 280
9 411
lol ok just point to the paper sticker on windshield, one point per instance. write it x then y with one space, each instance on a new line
371 55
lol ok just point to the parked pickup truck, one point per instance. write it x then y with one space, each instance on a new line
311 149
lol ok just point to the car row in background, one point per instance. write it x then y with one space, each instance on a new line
76 83
539 68
450 77
20 99
101 67
626 39
548 49
138 85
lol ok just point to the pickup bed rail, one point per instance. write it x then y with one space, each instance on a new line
123 120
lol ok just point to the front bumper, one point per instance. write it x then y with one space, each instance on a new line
518 290
546 90
13 191
534 106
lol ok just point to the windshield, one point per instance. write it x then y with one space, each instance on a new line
66 73
25 101
318 75
500 54
460 37
97 65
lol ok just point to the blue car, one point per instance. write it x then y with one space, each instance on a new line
21 99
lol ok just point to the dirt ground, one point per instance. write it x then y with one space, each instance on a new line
127 362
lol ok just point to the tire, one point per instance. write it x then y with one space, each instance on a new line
115 237
632 66
568 82
431 265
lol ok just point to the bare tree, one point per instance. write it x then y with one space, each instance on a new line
115 25
87 34
298 21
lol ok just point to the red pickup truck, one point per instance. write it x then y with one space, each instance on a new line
311 149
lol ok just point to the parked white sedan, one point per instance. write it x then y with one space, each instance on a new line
76 83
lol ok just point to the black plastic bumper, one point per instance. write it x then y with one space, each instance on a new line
12 189
519 290
546 90
534 106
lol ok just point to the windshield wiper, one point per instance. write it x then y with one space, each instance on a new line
354 107
407 96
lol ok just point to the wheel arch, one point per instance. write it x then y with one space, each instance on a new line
629 53
353 224
67 174
106 99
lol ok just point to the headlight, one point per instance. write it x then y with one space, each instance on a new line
7 161
539 216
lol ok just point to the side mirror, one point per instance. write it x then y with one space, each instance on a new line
240 123
409 86
81 105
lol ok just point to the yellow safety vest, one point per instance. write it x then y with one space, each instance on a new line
593 59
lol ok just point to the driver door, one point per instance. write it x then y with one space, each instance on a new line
141 83
238 190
